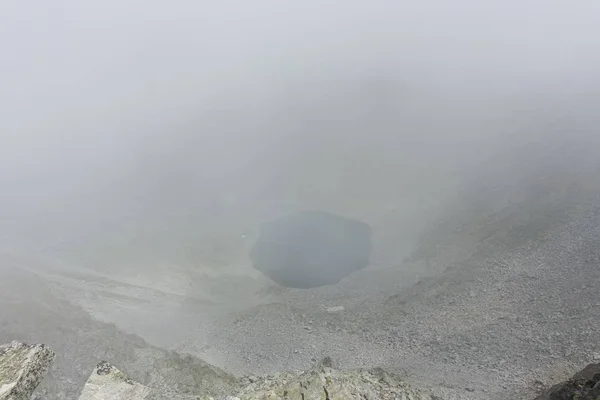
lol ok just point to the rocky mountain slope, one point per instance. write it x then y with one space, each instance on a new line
31 312
498 300
505 300
23 366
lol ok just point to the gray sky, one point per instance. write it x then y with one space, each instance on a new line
128 104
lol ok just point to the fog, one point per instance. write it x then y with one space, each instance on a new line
140 113
153 141
140 120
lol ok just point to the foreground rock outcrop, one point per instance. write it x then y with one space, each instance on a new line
326 383
584 385
22 368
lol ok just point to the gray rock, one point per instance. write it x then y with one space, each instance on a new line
183 376
108 383
323 383
22 368
584 385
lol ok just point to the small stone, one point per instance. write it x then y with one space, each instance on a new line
539 385
103 368
596 356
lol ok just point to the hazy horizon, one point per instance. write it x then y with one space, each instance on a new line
124 112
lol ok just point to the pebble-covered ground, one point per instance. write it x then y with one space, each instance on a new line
516 310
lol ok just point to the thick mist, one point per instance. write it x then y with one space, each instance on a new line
411 185
162 126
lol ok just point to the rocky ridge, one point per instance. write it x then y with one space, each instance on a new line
24 366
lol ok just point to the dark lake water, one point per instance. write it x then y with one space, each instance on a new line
311 248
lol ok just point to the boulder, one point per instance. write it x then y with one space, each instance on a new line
108 383
584 385
22 368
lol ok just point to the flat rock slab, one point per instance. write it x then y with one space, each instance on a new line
108 383
22 368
